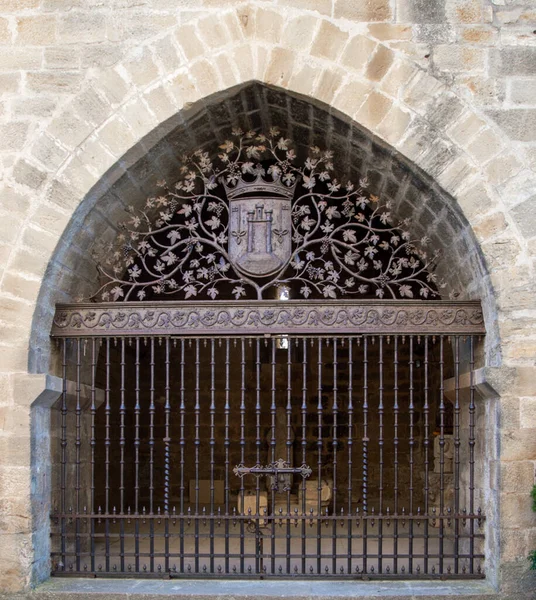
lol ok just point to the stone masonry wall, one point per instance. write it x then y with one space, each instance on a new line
87 87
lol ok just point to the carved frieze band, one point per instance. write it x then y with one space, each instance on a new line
267 317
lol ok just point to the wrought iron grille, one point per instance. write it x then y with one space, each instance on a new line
348 455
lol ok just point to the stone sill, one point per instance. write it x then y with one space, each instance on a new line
150 589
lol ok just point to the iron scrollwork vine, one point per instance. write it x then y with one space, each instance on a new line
336 241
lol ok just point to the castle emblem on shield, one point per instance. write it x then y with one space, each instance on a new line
260 225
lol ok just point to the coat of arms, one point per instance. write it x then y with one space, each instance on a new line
260 225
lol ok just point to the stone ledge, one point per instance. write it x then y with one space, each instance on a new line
149 589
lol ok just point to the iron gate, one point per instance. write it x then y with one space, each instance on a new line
276 452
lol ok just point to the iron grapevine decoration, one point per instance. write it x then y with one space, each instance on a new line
252 220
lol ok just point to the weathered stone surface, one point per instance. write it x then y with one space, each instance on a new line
525 217
518 123
329 41
513 61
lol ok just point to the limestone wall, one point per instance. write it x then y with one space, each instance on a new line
87 86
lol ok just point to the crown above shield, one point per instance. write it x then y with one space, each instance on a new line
271 187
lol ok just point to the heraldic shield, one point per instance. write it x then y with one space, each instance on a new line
260 225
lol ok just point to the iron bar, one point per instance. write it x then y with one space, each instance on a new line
403 513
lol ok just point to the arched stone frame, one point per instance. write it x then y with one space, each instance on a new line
407 118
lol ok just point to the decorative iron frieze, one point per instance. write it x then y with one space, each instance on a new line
275 469
270 317
255 218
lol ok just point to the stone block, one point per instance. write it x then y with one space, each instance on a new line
329 41
183 90
9 83
464 11
380 63
373 110
29 175
141 67
518 189
351 97
298 33
517 476
480 34
167 53
527 412
421 91
213 32
420 11
394 125
21 58
485 146
205 76
516 511
465 128
401 72
189 42
518 123
328 85
39 241
117 136
358 52
48 152
303 80
390 31
269 25
455 58
62 57
365 10
524 215
512 61
53 82
69 129
77 27
36 31
523 91
13 135
38 106
5 32
280 67
50 219
518 444
112 86
16 6
321 6
13 202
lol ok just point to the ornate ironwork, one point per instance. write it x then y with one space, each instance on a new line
252 219
276 317
279 467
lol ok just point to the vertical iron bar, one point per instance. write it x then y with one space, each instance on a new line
350 443
227 443
304 455
457 454
275 482
426 454
319 445
395 451
107 411
63 482
411 452
197 444
212 445
77 453
365 441
137 409
335 443
289 443
152 409
167 457
93 508
471 455
441 456
258 447
242 446
122 411
380 444
182 444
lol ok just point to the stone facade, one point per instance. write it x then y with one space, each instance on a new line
439 93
